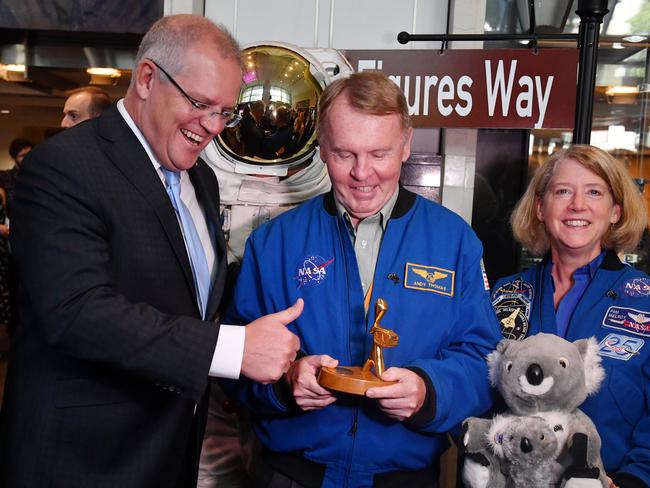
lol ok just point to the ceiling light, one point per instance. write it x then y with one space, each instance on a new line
621 90
16 68
13 72
625 95
5 111
104 76
635 38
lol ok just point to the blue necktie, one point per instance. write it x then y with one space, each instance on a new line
199 263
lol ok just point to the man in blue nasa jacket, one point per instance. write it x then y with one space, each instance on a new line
365 240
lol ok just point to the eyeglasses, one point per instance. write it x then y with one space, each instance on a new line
230 118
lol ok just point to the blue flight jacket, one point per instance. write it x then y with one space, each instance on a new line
615 309
429 273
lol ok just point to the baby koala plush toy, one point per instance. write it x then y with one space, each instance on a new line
531 448
542 378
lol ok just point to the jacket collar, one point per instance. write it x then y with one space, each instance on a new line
611 262
405 200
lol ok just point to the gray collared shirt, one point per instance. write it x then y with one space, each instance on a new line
366 238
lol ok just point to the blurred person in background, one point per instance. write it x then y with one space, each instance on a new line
18 149
82 104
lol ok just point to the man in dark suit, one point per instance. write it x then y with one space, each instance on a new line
108 376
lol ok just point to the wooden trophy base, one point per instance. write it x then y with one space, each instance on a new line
350 379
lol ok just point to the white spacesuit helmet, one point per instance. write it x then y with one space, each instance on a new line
278 103
270 161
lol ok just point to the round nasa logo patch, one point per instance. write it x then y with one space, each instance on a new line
637 287
311 271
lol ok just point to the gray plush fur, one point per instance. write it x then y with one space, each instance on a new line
529 448
571 371
476 444
544 375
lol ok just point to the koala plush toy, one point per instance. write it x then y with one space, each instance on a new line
547 377
530 448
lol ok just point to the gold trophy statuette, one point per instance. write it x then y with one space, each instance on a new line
355 379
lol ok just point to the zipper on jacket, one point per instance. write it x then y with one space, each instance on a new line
353 428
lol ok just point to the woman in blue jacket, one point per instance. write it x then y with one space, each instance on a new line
580 210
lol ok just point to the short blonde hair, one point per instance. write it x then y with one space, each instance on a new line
371 92
624 236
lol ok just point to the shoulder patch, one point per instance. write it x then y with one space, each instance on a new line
516 287
628 319
512 303
513 315
429 278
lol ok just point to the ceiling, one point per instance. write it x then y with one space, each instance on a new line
56 62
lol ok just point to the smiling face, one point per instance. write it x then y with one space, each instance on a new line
364 155
176 131
577 210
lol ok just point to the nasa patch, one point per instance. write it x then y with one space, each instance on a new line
636 287
512 305
628 319
513 315
311 271
518 287
619 346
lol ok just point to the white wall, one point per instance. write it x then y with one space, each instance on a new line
363 24
341 24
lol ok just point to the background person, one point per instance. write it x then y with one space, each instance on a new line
122 278
252 134
18 149
581 209
280 143
82 104
365 239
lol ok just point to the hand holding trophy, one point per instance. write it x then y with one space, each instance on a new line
355 379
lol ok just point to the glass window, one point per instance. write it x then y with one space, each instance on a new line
252 93
621 111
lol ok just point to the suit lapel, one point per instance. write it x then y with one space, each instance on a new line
125 151
207 192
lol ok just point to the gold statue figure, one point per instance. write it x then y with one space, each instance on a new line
381 338
355 379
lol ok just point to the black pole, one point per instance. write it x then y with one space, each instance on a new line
591 13
404 37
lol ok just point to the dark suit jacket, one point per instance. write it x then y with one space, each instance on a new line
111 357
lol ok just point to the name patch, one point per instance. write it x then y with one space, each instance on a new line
311 271
429 278
620 346
628 319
